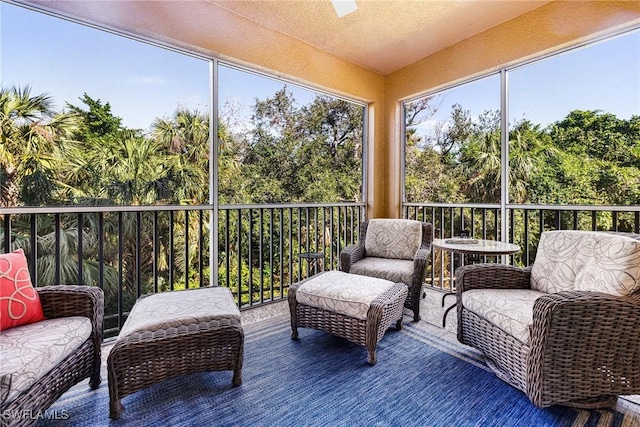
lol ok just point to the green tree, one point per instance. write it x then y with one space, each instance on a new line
32 148
427 178
186 137
600 158
311 153
97 120
480 155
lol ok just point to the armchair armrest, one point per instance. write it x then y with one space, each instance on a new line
583 345
492 276
350 255
419 265
74 300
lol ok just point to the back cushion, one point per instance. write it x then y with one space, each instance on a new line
19 301
586 261
393 238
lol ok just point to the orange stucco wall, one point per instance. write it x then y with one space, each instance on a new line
239 40
546 29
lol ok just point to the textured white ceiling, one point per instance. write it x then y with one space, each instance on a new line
381 35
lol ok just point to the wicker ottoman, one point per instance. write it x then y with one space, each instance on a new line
175 333
357 308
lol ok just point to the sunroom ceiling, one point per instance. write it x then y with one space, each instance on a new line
381 35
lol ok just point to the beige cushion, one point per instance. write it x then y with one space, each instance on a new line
339 292
508 309
393 238
588 261
396 270
29 351
173 309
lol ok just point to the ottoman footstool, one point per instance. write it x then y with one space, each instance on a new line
357 308
172 334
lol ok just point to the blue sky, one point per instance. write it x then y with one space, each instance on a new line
603 76
142 82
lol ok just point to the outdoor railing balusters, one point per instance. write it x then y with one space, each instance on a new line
525 224
134 250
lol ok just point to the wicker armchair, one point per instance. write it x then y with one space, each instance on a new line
395 250
57 302
575 343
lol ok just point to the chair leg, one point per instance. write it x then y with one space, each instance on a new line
399 324
415 307
94 381
371 356
115 409
237 377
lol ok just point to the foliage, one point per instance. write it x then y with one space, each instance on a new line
588 158
310 153
85 156
290 153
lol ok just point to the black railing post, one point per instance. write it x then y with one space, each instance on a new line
101 250
156 251
525 242
58 236
201 249
138 259
120 270
186 249
7 233
79 230
238 254
33 270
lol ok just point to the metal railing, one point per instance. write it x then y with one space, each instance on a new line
129 251
133 250
525 223
262 249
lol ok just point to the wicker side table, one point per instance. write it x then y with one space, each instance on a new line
385 310
202 333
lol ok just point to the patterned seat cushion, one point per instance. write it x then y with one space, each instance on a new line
28 352
588 261
395 270
344 293
508 309
393 238
173 309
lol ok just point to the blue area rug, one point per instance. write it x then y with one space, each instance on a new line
320 380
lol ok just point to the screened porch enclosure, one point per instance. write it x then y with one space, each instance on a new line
314 153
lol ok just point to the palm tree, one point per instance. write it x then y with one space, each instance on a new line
480 159
32 135
529 150
34 153
187 137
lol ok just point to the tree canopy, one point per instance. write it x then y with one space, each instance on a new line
587 158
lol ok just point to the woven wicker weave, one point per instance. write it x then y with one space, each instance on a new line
584 349
384 311
354 253
141 359
63 301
